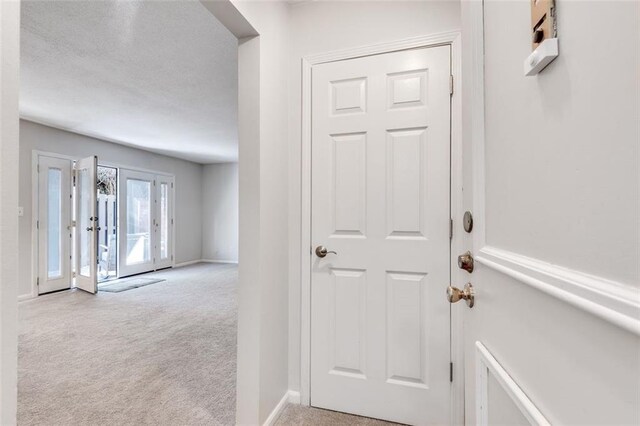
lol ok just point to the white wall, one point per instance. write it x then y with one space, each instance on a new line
220 212
562 188
264 225
572 171
9 84
188 186
319 27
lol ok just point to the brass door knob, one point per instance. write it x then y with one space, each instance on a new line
454 294
465 261
321 251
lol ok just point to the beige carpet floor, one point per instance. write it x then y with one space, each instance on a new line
307 416
164 354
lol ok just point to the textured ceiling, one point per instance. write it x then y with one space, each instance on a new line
158 75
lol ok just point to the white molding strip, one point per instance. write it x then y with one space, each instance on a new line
294 397
377 49
277 410
193 262
485 364
612 301
189 262
25 297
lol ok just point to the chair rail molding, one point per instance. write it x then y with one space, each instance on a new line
612 301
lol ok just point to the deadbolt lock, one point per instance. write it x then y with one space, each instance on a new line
465 261
454 294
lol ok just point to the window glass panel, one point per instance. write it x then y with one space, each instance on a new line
164 220
107 221
84 217
138 221
54 224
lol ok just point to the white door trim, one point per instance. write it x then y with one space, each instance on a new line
486 364
615 302
448 38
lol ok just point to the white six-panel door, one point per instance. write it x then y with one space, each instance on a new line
380 324
54 224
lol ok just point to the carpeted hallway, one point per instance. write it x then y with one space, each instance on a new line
160 354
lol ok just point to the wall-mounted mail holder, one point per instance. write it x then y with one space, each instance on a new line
544 36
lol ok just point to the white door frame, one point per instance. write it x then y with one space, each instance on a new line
35 206
122 209
448 38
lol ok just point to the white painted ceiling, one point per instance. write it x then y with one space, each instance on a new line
158 75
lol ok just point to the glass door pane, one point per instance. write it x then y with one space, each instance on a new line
85 224
164 212
108 223
164 220
53 212
54 224
138 221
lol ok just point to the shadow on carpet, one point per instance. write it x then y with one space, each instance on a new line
128 284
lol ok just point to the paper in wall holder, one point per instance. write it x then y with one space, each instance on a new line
544 36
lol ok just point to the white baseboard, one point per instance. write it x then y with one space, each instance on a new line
294 397
277 410
193 262
27 296
190 262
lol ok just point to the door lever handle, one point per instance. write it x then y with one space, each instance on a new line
321 251
89 228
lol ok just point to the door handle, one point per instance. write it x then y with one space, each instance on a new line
321 251
454 294
89 228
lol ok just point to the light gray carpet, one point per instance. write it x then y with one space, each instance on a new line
163 354
125 284
309 416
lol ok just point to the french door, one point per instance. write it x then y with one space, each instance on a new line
146 222
87 227
54 224
380 324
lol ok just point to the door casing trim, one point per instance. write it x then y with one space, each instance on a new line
451 39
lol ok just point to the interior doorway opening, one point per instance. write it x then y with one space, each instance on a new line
108 223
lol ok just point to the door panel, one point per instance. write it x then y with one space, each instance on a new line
163 222
146 221
136 222
86 225
54 224
380 198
